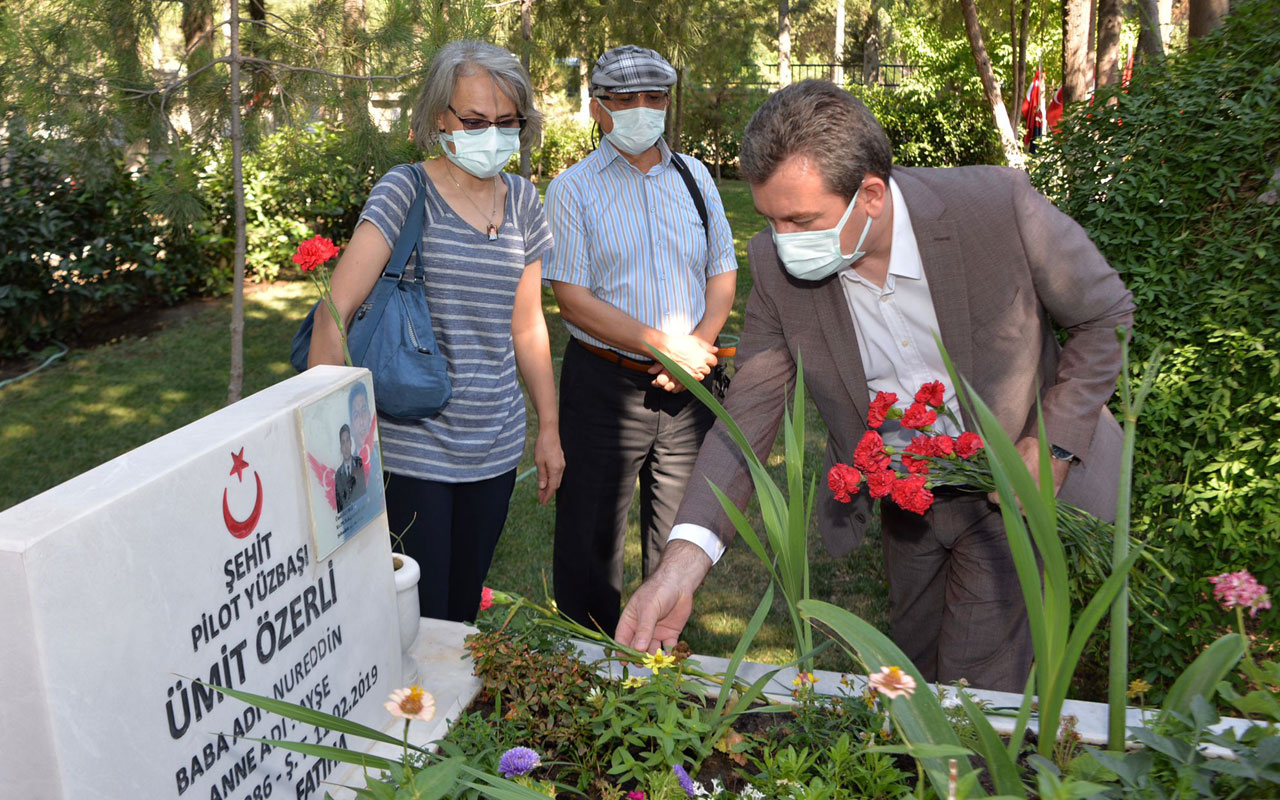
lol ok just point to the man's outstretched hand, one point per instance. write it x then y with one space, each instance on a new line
657 612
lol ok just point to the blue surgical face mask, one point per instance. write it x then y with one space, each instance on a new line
484 153
635 130
813 255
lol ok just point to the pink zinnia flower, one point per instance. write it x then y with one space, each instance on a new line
892 682
412 703
1240 589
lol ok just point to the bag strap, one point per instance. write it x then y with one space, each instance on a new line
411 232
698 202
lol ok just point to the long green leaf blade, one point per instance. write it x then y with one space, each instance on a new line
920 718
310 717
1205 673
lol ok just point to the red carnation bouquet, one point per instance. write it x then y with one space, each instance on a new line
931 459
934 459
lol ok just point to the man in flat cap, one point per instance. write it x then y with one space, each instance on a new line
643 256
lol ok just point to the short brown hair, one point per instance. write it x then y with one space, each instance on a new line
823 123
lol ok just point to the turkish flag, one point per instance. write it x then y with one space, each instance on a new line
1033 111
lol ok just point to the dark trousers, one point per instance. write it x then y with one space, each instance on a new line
451 530
954 600
615 426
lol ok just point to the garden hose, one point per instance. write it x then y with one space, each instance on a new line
31 372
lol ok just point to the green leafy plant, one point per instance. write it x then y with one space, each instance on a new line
545 696
79 244
1169 176
786 517
419 775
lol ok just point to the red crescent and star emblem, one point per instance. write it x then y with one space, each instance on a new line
237 527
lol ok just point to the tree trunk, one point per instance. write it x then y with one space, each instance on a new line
355 93
584 92
1110 22
837 53
1091 39
235 387
1075 50
261 86
784 43
990 88
1150 44
198 40
1204 16
1165 9
1020 63
677 127
871 48
526 36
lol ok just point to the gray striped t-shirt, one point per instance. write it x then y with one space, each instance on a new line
471 288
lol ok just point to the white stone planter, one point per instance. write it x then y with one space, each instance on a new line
407 575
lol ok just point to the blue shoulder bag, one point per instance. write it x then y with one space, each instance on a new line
390 334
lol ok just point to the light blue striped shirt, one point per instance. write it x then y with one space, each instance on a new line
471 288
636 240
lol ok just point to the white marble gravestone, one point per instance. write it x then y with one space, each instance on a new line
194 557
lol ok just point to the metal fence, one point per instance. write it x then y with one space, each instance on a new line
887 75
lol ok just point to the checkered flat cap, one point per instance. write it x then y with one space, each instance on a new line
631 69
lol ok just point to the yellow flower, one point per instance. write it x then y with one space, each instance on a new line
892 682
412 703
803 678
633 682
658 661
1138 687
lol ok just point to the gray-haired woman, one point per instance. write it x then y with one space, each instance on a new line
450 477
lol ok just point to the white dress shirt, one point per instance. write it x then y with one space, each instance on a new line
896 325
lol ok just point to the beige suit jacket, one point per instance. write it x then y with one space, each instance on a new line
1001 262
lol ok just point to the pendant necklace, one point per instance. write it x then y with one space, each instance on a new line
492 231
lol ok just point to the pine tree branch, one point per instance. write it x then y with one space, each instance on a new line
327 73
258 23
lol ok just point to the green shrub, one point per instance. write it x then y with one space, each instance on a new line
1168 182
935 126
713 123
298 182
565 142
79 245
937 116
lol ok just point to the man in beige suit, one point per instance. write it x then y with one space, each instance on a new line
862 263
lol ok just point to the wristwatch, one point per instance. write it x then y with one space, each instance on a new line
1061 454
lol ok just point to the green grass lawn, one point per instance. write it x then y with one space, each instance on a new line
95 404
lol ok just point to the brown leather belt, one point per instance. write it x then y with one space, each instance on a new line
614 357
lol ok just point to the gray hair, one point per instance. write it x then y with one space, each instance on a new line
825 124
468 57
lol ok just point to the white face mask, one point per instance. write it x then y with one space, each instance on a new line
636 129
482 154
813 255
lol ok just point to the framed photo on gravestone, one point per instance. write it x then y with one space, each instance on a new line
344 464
131 590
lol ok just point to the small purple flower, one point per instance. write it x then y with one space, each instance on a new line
518 761
686 782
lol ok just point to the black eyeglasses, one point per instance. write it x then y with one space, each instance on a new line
479 124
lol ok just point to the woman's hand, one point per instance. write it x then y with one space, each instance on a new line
549 459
